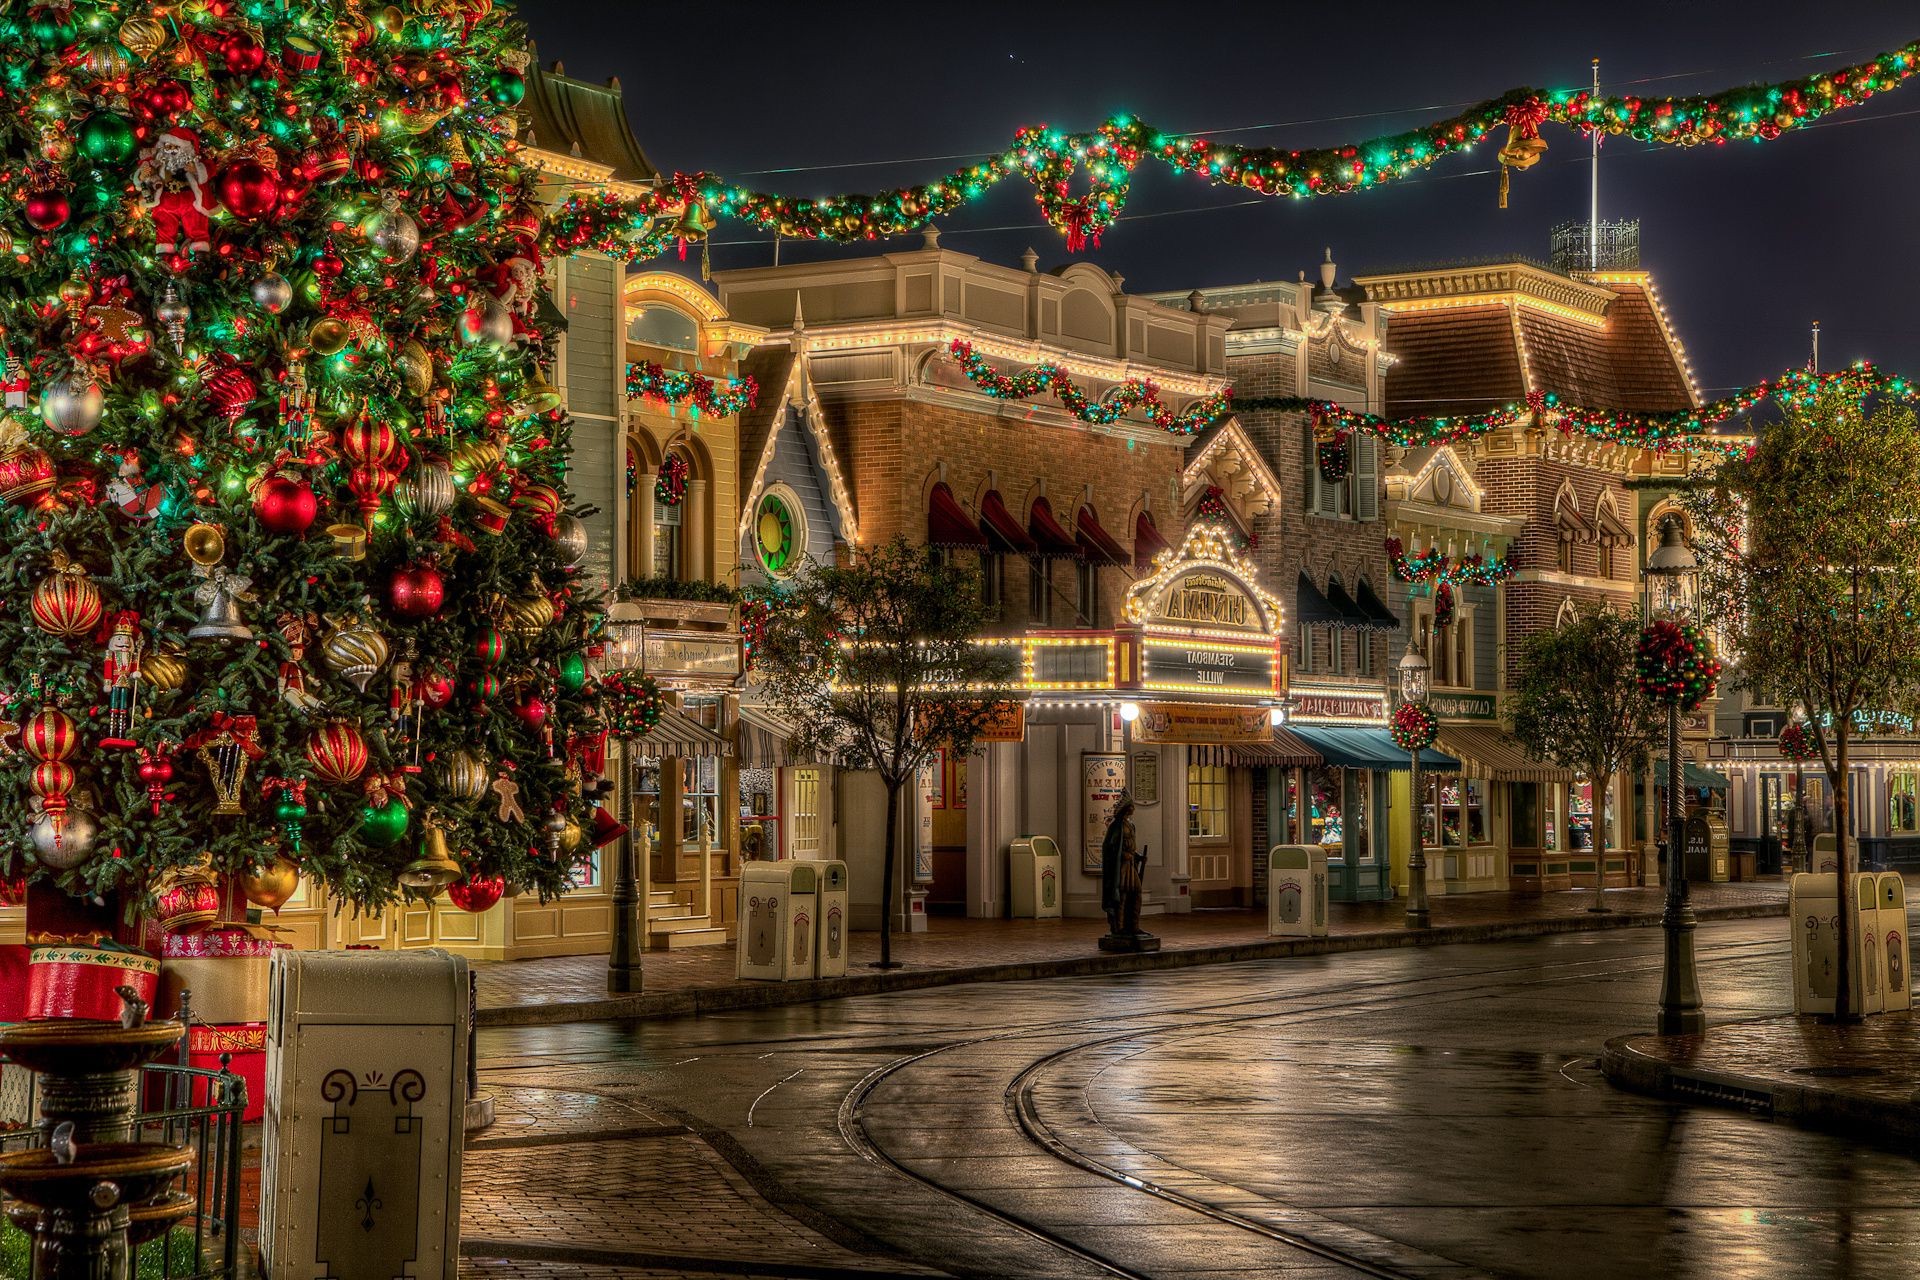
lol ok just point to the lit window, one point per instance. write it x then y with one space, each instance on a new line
1206 802
1902 796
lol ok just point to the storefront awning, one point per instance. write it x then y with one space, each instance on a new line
1698 779
1375 608
1095 541
1003 531
948 524
1147 543
1282 751
1311 609
1351 614
679 735
760 740
1488 753
1054 542
1358 748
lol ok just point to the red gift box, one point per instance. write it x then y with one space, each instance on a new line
77 978
246 1047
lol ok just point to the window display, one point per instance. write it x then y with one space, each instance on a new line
1455 811
1325 803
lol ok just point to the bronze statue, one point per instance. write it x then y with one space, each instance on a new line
1122 872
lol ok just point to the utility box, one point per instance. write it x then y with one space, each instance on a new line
1297 891
366 1082
1034 871
1896 956
830 945
1708 849
1867 946
778 906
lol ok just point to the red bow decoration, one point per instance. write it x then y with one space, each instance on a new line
1527 117
385 787
295 788
240 729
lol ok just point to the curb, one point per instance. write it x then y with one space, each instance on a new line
1811 1105
741 995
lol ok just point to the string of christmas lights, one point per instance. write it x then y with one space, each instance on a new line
1128 396
1104 159
1434 565
711 396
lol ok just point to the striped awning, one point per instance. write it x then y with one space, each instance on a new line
1488 753
1283 750
760 740
680 736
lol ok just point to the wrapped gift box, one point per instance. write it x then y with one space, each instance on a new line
225 968
78 977
246 1048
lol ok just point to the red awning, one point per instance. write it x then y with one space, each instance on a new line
1147 542
1002 530
948 525
1054 542
1096 542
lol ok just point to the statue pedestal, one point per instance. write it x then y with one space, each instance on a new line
1135 943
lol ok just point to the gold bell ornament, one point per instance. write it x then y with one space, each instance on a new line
435 868
1524 146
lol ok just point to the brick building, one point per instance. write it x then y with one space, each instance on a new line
868 430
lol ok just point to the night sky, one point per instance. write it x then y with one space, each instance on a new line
1750 243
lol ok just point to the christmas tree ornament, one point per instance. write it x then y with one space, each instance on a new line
1414 726
172 178
219 599
119 677
328 336
383 825
1675 665
391 234
271 293
435 868
47 209
416 591
465 774
225 749
156 773
107 138
553 832
73 405
163 671
349 541
27 476
65 840
487 323
428 492
187 901
532 711
66 602
476 894
354 651
507 87
415 367
338 753
571 674
205 544
249 189
274 885
285 504
289 807
174 315
435 688
529 616
491 648
570 539
242 53
129 490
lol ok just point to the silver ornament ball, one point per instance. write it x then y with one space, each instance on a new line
65 841
273 293
570 538
428 490
393 235
488 323
73 406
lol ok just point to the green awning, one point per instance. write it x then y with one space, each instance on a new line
1698 778
1358 748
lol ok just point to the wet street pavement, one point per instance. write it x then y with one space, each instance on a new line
1408 1113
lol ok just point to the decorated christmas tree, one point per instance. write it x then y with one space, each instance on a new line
283 515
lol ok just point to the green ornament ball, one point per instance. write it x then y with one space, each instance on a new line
106 138
573 672
507 87
385 825
290 811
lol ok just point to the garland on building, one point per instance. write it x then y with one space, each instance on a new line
1213 506
280 470
1333 454
1675 665
1414 726
1101 163
1124 398
670 487
1797 744
1443 605
647 380
1436 566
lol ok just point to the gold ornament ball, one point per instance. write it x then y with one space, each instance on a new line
328 336
571 837
355 652
143 36
466 774
530 616
163 672
273 885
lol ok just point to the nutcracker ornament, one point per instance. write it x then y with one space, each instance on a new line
119 676
173 184
297 630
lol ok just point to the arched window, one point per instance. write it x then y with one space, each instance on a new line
1568 614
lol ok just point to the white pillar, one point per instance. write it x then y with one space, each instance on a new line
640 510
698 532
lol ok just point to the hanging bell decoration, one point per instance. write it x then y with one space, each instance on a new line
219 599
435 868
540 396
1524 145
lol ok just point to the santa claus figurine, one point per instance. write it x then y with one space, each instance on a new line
173 184
515 282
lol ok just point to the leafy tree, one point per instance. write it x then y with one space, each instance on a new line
1578 704
875 663
1811 555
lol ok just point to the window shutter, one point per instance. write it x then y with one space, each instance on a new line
1324 499
1366 477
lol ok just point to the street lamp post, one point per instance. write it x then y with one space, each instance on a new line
1413 689
624 646
1673 564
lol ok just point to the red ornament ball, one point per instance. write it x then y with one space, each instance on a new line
47 210
157 772
436 689
285 505
242 53
476 894
417 591
166 99
532 711
250 190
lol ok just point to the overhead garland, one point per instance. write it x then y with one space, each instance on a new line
684 208
1129 395
711 396
1435 565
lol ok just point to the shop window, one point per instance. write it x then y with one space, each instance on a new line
1087 593
1460 666
1336 651
1456 811
667 560
1563 555
1362 806
1902 793
1206 802
700 798
1523 822
804 817
1326 807
993 581
1550 818
1039 594
1581 826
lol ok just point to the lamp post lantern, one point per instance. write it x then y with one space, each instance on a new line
624 645
1673 565
1414 672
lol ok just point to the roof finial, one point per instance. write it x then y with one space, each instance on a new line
799 315
1328 270
1030 261
929 237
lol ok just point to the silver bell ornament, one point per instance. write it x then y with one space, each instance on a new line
220 609
272 293
391 233
428 489
570 538
63 841
73 406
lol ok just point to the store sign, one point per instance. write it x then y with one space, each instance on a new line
681 653
1192 724
1072 665
1007 722
1208 598
1103 776
1198 667
1347 705
1146 778
1464 706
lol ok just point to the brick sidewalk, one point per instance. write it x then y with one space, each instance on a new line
1862 1079
573 988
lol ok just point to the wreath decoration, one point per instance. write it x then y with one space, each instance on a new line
1676 666
631 702
1415 727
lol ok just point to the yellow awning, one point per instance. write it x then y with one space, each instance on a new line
1489 753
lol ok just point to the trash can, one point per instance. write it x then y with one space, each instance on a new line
1826 854
1893 940
776 915
830 947
1034 870
366 1080
1297 891
1867 945
1813 913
